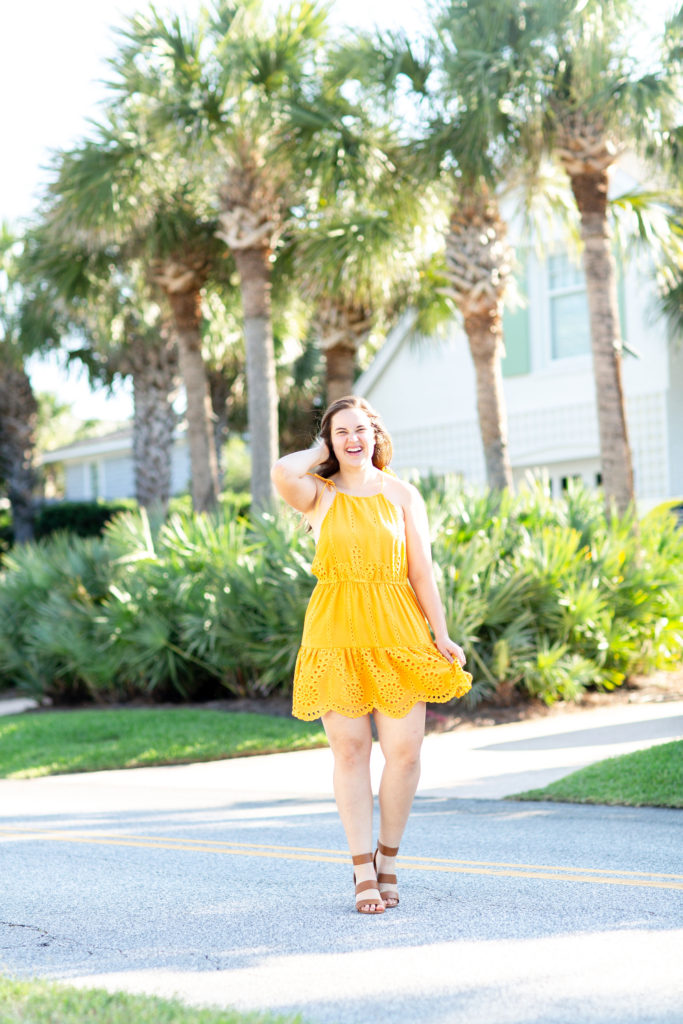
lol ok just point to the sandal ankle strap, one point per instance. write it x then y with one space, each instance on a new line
387 851
362 858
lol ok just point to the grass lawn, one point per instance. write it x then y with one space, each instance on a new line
37 1002
646 778
59 742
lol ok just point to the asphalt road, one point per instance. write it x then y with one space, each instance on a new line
226 884
509 912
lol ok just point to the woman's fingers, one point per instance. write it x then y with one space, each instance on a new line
453 652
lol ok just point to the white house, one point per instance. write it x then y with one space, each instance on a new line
425 388
102 467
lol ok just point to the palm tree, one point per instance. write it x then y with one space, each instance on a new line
134 338
182 272
473 83
18 417
150 356
110 190
27 325
223 346
357 265
601 102
241 94
108 308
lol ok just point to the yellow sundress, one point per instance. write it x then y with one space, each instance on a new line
366 644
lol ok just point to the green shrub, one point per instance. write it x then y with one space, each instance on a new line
208 600
553 596
547 597
6 532
50 593
84 518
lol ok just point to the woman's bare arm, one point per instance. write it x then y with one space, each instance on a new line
292 479
421 575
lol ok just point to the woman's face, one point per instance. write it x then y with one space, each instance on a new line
353 437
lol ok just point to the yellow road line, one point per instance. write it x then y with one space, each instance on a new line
597 876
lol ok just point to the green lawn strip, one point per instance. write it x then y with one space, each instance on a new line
37 1002
61 742
646 778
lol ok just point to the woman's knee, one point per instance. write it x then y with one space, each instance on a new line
403 756
351 752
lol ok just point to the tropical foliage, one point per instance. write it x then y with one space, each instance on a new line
253 203
27 324
604 99
549 597
474 81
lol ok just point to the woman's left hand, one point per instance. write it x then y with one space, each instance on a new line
450 650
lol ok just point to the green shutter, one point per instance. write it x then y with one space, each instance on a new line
621 298
517 358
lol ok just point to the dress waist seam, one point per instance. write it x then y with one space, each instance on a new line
374 583
428 645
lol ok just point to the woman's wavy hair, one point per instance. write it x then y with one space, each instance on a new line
381 457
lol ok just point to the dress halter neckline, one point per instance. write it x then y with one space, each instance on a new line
346 494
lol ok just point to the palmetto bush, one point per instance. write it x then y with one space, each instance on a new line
50 595
553 596
198 604
548 598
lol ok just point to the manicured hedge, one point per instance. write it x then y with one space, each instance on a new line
84 518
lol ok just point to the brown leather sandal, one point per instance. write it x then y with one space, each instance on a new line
384 878
363 904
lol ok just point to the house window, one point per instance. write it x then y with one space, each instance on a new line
569 323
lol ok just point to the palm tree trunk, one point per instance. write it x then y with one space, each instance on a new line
253 267
220 389
18 412
342 327
590 192
155 371
478 259
186 308
485 338
340 362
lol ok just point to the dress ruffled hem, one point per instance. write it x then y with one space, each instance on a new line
353 681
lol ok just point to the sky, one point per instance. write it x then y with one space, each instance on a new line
53 63
51 72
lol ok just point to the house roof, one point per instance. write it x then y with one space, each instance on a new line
117 441
395 339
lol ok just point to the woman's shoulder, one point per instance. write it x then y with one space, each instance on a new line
401 491
324 480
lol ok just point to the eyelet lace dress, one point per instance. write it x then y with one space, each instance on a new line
366 644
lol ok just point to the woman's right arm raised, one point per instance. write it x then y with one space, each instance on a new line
292 479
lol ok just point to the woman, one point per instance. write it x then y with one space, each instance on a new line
366 647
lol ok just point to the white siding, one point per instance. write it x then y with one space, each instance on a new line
180 468
117 478
426 393
75 482
110 475
442 447
674 406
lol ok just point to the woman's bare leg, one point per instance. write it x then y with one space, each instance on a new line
351 743
401 742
